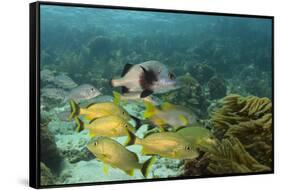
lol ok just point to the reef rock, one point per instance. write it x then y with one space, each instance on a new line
49 154
202 72
73 146
217 88
46 177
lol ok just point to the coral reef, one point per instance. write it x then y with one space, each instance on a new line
202 72
231 157
50 155
196 167
250 120
217 87
46 178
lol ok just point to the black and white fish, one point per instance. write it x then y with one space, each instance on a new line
146 78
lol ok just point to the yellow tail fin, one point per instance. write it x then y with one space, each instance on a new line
147 166
75 109
116 97
150 109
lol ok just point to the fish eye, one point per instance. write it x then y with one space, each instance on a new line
95 143
126 126
187 148
171 76
123 113
92 89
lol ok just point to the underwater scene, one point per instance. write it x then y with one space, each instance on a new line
128 95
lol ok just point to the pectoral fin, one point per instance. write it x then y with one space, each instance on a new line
130 172
146 93
105 169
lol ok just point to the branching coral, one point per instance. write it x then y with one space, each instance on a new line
250 120
231 157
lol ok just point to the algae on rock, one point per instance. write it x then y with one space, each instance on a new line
46 176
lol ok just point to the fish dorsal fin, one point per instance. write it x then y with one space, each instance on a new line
179 128
148 134
150 109
90 105
92 120
127 67
184 120
167 106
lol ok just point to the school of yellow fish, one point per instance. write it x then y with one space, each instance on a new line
178 135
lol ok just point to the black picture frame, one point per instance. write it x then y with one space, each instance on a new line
34 98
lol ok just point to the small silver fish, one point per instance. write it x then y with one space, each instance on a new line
146 78
83 92
53 93
64 81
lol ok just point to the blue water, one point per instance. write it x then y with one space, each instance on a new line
222 54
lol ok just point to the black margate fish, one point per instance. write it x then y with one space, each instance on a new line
146 78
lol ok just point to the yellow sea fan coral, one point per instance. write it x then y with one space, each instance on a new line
250 120
231 157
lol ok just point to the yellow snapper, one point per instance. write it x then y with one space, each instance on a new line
169 114
109 126
165 144
97 110
198 136
116 155
146 78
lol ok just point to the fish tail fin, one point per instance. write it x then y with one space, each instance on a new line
147 166
116 97
75 109
150 109
132 139
138 122
80 125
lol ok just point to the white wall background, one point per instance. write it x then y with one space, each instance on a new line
14 93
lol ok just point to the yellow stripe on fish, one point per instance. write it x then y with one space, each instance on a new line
116 155
109 126
97 110
165 144
169 114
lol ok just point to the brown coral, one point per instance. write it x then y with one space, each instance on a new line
250 120
231 157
